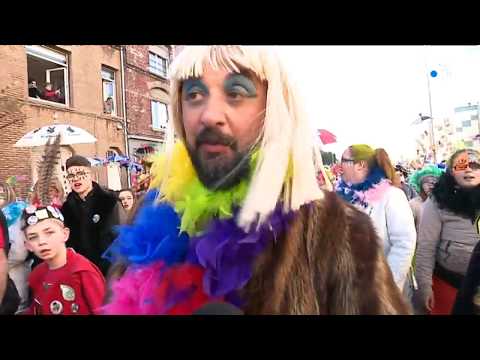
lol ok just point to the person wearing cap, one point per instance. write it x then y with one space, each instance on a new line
65 283
90 212
423 181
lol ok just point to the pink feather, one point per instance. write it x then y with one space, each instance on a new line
375 193
133 294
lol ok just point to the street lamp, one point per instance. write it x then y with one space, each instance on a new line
433 74
432 133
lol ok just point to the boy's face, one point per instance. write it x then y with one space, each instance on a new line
46 238
80 179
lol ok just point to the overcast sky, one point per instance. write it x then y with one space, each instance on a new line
372 94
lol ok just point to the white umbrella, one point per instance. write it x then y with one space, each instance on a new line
68 135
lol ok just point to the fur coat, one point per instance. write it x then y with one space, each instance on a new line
330 261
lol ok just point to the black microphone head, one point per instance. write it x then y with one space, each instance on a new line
218 308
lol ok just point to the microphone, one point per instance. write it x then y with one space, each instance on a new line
218 308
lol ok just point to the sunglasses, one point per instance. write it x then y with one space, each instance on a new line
465 166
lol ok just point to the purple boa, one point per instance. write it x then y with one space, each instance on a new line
227 252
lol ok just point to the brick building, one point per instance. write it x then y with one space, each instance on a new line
147 97
90 96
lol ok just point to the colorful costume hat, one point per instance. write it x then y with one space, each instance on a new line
421 175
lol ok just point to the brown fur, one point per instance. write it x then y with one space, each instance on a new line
330 261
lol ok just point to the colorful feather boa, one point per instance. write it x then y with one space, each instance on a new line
195 204
168 274
366 193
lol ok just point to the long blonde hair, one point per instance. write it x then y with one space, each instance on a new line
289 156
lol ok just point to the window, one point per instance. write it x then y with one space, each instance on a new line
467 123
108 88
474 117
459 129
159 115
468 143
158 65
47 74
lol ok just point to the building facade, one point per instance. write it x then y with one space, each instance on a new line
147 100
64 84
467 125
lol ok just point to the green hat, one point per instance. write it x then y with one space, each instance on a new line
419 175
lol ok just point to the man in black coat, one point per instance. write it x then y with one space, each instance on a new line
90 212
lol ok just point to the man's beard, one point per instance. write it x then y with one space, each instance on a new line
217 172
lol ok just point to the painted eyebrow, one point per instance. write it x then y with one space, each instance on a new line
188 84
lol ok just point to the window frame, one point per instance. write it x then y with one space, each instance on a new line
107 69
154 69
42 52
153 124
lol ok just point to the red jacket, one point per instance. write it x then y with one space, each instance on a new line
78 288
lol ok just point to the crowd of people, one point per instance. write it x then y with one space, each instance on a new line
241 212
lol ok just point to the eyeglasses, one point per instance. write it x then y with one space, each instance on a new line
347 161
77 175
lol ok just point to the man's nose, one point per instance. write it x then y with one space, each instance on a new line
214 113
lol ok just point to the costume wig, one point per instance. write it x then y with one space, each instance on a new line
418 176
288 155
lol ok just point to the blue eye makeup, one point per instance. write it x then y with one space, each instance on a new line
240 84
193 86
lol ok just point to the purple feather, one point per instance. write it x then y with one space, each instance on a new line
227 252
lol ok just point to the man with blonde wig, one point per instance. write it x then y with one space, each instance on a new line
235 214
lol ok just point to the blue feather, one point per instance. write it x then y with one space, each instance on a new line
154 235
13 211
347 191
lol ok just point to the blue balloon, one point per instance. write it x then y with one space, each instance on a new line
433 73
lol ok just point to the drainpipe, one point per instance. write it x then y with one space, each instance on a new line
124 100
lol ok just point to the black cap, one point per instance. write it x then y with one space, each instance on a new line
77 160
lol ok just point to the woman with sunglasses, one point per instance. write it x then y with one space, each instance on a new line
446 236
369 183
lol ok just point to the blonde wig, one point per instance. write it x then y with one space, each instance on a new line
288 153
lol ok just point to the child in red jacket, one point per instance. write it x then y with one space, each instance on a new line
66 283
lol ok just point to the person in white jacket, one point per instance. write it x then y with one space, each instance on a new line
369 183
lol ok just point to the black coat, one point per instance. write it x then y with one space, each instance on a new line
91 223
464 304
